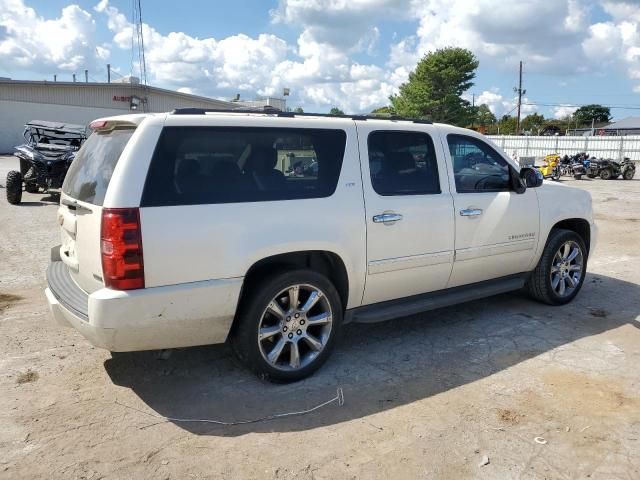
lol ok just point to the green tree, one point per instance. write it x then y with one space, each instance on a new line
434 89
532 123
483 116
298 110
507 125
585 115
384 110
336 111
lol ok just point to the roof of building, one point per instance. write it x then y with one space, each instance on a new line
625 124
117 86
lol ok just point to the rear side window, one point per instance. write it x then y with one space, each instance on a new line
206 165
402 163
90 172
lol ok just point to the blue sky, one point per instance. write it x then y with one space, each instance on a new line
347 53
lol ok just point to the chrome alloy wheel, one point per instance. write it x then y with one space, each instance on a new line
567 269
295 327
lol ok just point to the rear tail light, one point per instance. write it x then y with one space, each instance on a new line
121 248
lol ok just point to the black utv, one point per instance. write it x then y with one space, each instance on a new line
609 169
45 157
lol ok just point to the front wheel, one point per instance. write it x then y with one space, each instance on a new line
13 187
606 174
628 174
287 325
559 275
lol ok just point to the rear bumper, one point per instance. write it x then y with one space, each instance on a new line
198 313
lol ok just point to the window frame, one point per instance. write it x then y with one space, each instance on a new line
430 144
475 141
147 201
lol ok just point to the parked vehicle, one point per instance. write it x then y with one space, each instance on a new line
182 229
44 159
573 166
610 169
551 167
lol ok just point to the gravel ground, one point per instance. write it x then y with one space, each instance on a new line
457 393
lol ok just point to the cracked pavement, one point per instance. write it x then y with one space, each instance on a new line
427 396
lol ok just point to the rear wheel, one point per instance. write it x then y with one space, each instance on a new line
606 174
287 326
14 187
628 174
559 275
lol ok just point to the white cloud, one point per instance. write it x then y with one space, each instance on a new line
556 37
31 42
563 111
499 105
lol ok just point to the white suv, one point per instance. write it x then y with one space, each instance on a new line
274 229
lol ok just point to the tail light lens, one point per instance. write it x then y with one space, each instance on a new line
121 248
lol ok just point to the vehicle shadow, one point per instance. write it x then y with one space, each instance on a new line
378 367
48 199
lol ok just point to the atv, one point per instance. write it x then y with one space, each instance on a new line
610 169
45 157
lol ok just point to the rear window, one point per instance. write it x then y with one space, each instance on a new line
89 175
207 165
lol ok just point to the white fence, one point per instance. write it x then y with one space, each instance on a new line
602 147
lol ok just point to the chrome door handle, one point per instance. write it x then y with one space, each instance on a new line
471 212
387 218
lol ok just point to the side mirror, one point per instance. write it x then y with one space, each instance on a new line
532 177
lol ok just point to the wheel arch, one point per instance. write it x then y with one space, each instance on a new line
580 226
329 264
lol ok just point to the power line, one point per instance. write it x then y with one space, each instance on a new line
578 105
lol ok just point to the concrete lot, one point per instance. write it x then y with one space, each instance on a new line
425 397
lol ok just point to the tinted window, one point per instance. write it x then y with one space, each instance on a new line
204 165
89 175
402 163
476 166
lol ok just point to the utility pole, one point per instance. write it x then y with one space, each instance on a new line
108 73
473 109
520 92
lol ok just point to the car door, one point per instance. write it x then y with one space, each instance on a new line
409 211
497 229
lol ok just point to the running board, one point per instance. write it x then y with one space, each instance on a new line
380 312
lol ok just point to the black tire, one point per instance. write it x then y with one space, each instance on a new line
606 174
539 284
591 175
13 187
628 174
578 176
244 336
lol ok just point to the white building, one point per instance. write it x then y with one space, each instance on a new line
79 102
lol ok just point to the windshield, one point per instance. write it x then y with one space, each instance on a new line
91 170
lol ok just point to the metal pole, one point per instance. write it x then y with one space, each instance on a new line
473 109
74 77
108 73
519 100
55 78
86 76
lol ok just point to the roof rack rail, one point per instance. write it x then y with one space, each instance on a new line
267 109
